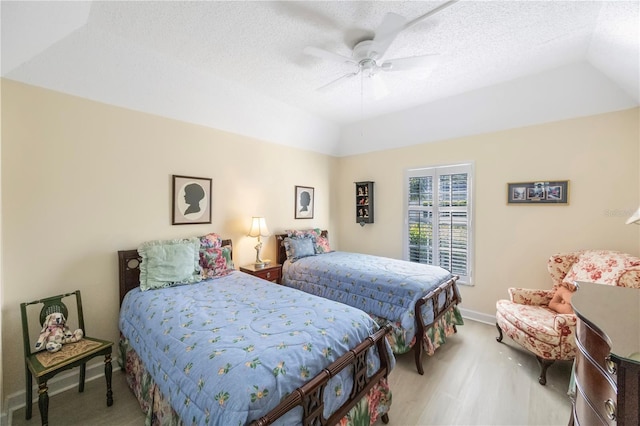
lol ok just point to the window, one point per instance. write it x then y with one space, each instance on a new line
438 218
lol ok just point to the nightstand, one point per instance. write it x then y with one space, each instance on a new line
271 272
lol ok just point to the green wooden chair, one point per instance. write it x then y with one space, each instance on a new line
44 365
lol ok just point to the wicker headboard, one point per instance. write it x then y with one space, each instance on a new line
129 268
281 252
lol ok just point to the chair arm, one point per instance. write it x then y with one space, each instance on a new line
530 296
630 278
565 320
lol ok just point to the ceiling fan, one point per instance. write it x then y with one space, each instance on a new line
368 56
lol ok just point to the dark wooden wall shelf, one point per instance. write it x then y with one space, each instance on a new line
364 202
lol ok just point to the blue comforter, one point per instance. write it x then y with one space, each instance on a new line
384 287
226 351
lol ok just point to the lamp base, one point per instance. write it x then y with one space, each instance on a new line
261 264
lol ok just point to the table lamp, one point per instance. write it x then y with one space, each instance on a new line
635 218
258 229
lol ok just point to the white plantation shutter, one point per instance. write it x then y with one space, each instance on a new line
420 215
439 218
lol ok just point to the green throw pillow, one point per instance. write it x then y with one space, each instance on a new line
166 263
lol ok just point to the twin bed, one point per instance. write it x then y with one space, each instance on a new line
418 301
235 350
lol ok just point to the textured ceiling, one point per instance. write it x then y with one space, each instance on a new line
206 62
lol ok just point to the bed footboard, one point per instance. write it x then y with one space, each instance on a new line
451 295
311 395
452 298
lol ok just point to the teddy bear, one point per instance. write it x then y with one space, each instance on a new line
55 333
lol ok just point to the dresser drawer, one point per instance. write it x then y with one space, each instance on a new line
584 413
269 275
598 349
595 388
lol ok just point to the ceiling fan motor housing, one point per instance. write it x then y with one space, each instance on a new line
361 51
366 58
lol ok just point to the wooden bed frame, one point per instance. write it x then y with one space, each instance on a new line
310 395
449 288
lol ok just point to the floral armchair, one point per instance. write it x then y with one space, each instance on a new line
542 321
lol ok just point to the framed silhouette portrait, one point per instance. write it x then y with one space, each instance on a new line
304 202
191 200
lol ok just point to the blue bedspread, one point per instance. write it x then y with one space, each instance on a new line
384 287
226 351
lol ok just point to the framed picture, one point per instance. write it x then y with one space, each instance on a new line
191 200
304 202
542 192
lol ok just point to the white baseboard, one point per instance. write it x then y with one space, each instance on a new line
60 383
478 316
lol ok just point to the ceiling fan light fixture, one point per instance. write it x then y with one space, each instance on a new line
368 66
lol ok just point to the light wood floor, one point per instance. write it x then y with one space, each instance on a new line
471 380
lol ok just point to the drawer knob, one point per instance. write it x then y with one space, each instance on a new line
268 274
610 409
611 366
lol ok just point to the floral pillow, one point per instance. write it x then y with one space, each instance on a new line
166 263
302 233
321 243
215 262
211 241
600 266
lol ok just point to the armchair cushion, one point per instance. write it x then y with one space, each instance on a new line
535 323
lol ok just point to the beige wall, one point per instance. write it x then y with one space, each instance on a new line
598 155
81 180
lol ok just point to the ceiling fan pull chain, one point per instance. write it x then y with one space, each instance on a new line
362 104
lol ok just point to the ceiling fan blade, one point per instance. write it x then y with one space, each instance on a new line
342 77
410 62
391 25
325 54
429 13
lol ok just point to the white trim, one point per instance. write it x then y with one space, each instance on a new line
478 316
58 384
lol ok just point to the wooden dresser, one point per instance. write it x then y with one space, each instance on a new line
607 367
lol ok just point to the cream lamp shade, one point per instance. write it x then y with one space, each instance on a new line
258 229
